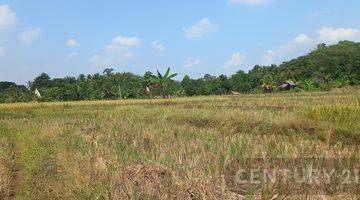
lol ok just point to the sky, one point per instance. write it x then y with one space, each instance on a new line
72 37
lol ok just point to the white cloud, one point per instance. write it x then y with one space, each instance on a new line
111 58
95 58
2 51
8 18
272 55
98 60
72 55
333 35
302 39
118 52
158 46
72 42
129 55
200 29
101 60
31 35
236 60
318 14
121 42
252 2
192 63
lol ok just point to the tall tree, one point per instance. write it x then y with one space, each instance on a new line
41 81
240 82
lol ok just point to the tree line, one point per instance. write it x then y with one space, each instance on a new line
324 68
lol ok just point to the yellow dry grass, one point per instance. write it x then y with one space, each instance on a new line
165 149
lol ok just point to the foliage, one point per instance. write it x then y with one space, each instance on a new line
268 83
307 84
10 93
162 82
241 82
324 68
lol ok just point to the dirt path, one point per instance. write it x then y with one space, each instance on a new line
16 170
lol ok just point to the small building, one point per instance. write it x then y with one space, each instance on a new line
287 85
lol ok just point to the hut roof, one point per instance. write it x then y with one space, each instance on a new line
288 85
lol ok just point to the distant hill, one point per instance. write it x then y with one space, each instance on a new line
340 61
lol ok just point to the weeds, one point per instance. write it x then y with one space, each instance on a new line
165 149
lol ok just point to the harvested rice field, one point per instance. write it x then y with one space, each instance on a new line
182 148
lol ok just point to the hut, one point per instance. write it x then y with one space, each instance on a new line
287 85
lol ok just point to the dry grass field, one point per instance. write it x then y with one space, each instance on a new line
167 149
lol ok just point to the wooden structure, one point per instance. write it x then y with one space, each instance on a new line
287 85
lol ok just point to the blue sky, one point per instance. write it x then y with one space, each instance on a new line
72 37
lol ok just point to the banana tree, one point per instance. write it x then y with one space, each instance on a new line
163 81
268 83
308 84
